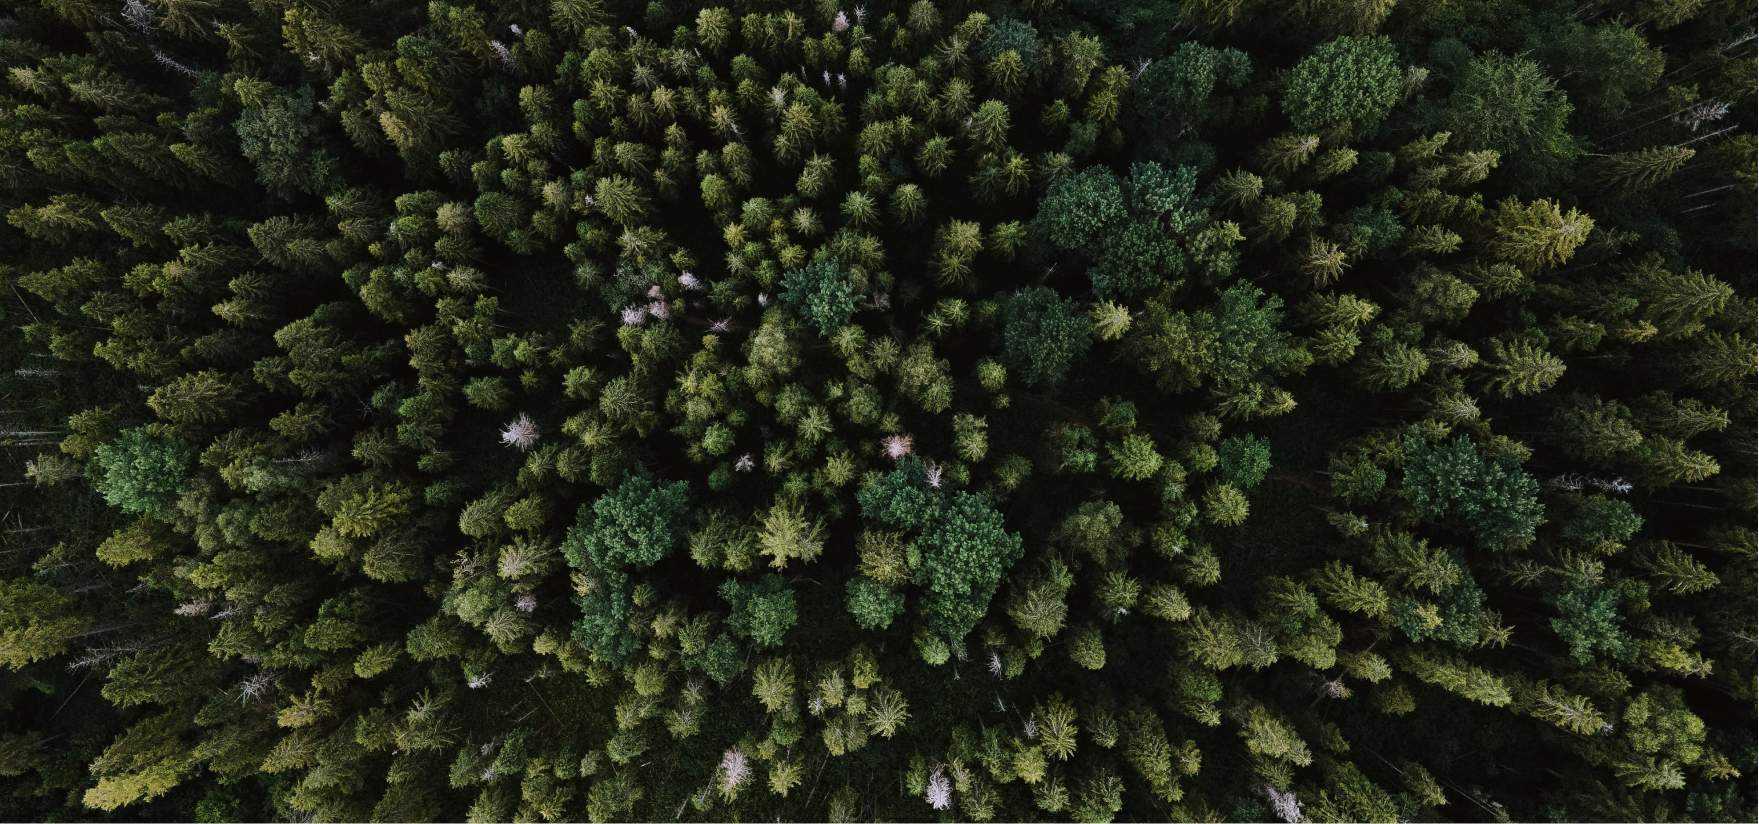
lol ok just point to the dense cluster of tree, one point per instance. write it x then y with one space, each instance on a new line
1060 409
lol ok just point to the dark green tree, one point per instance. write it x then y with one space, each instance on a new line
1077 211
1512 106
762 611
634 525
1350 81
141 473
1243 460
1490 496
822 293
1043 335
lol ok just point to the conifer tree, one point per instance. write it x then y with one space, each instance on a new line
629 412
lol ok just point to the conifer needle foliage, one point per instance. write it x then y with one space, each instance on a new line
899 410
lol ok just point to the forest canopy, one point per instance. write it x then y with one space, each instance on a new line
1224 410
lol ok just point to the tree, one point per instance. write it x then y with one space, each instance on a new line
1177 87
1225 505
901 498
873 605
1039 606
1456 676
1492 497
1137 258
1351 81
988 127
1134 458
275 131
965 552
1348 794
1679 303
1168 196
1537 235
1355 478
1248 337
1589 622
1268 736
1243 460
1043 335
822 293
196 398
1511 106
763 611
772 683
1166 602
634 525
1600 523
144 762
1100 796
1013 35
788 534
1522 368
1077 210
1662 736
1092 529
1719 359
621 199
37 622
1675 570
1622 65
888 712
1087 648
1644 168
605 609
140 472
1117 594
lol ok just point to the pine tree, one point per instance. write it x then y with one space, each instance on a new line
1522 368
1149 753
1134 458
195 398
773 685
1675 570
787 534
1538 234
37 622
1644 168
1678 304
